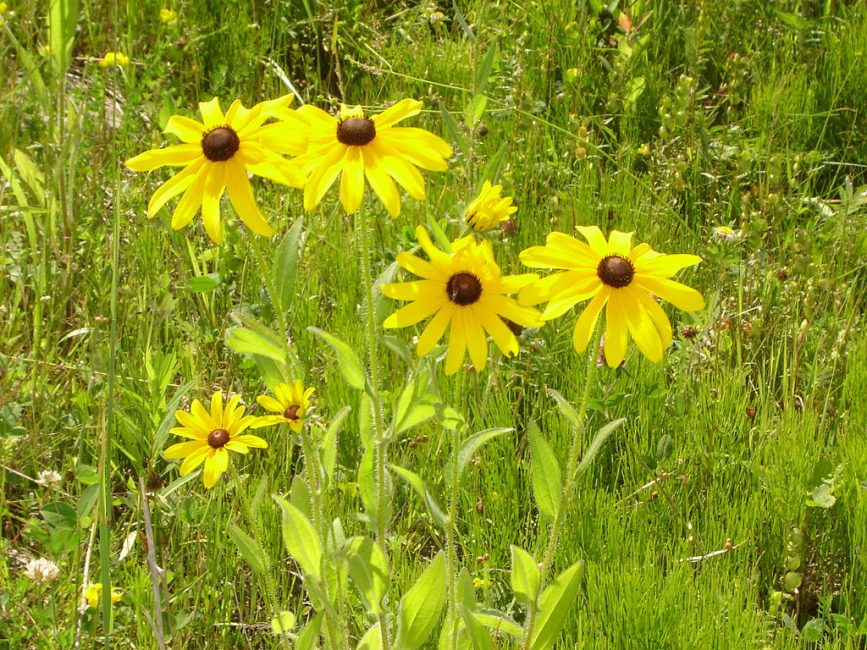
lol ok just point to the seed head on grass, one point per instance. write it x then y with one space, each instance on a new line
291 403
214 435
356 147
464 292
216 155
618 276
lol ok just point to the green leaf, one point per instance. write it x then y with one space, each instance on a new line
485 68
284 269
499 622
300 539
347 360
475 631
328 451
813 630
367 483
62 20
372 639
565 407
204 283
368 569
453 129
475 110
597 442
365 420
421 607
168 421
417 484
526 577
415 404
250 550
299 496
492 168
246 341
282 623
308 638
399 347
472 444
554 605
546 474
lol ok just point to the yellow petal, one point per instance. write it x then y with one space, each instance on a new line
421 268
457 343
596 239
499 331
665 266
663 325
435 255
477 344
214 187
620 242
203 416
380 182
241 196
271 404
616 330
323 176
190 202
186 129
574 248
415 290
352 180
211 113
400 111
318 118
217 410
251 441
641 326
509 308
679 295
183 449
586 322
212 467
195 459
412 313
405 174
418 147
174 186
238 447
435 329
174 156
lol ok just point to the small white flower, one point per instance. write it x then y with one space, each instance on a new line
727 234
41 570
49 478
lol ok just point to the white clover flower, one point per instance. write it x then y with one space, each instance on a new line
49 477
41 570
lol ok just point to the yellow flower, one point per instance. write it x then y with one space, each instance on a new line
94 592
354 147
489 209
114 58
291 401
217 154
615 275
464 290
168 16
726 233
213 435
3 8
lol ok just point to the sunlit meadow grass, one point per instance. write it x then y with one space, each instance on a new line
729 511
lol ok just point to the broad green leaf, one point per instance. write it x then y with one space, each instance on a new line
421 607
483 73
414 405
499 622
367 483
250 550
382 306
308 638
480 638
204 283
168 421
365 420
347 360
546 474
368 569
284 268
417 484
474 442
491 170
466 590
453 129
399 347
62 21
245 341
299 496
301 539
554 605
372 639
328 450
282 623
526 577
597 442
449 418
565 407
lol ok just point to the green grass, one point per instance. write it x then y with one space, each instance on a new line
757 401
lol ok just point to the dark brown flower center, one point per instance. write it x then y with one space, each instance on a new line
615 271
218 438
356 131
220 144
291 413
464 288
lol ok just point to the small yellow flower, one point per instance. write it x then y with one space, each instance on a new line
464 292
726 233
114 58
168 16
489 209
94 592
291 401
624 279
213 435
3 8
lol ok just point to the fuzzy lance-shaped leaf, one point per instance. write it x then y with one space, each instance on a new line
492 168
368 569
282 623
554 605
284 269
475 110
367 483
480 638
308 638
328 450
417 484
415 404
453 129
244 340
526 577
168 421
347 360
301 539
250 550
421 607
62 21
400 348
372 639
299 496
565 407
546 474
204 283
499 622
597 442
472 444
485 68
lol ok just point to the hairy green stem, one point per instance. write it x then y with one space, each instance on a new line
452 569
568 490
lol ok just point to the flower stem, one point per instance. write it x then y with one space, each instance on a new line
380 442
569 489
452 569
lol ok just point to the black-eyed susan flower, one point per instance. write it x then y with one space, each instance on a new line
216 155
290 402
489 209
93 593
213 435
464 292
615 275
356 147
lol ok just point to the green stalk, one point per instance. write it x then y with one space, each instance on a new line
569 489
380 442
